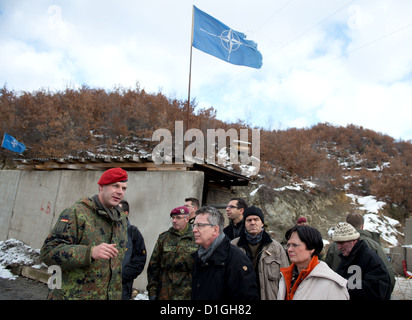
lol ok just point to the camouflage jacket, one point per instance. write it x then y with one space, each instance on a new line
169 273
69 246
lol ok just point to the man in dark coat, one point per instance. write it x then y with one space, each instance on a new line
371 239
235 209
135 256
368 278
220 271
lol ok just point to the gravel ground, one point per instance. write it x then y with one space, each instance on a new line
22 289
26 289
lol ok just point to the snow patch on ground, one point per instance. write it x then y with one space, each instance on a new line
16 253
368 203
375 222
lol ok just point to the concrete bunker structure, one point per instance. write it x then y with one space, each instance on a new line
32 197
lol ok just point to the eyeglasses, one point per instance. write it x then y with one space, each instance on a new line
232 207
202 225
293 245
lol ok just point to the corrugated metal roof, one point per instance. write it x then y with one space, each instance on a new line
213 172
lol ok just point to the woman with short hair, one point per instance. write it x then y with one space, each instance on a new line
307 278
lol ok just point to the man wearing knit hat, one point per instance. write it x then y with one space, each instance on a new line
267 255
368 278
356 220
169 274
89 241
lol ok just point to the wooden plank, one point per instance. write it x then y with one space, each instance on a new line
91 167
26 167
42 167
166 168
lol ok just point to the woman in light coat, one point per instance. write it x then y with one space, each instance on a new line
307 278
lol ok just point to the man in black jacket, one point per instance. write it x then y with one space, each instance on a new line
135 256
235 209
368 278
371 239
220 271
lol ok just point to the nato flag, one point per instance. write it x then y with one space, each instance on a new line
12 144
217 39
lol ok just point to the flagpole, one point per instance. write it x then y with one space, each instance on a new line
190 72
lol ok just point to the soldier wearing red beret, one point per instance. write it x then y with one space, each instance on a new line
169 273
89 241
112 186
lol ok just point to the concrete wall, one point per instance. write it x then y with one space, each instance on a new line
9 181
33 209
408 232
31 201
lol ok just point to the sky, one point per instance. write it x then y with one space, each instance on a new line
336 61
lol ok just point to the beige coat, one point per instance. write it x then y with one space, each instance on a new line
321 284
272 258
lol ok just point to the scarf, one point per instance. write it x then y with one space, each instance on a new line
254 239
204 254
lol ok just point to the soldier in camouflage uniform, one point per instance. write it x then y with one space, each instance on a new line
169 272
88 242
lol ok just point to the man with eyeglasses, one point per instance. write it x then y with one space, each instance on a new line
220 271
169 273
235 209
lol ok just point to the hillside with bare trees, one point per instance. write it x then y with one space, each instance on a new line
85 121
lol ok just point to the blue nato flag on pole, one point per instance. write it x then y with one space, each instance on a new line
12 144
217 39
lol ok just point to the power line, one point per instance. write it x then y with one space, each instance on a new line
273 15
364 45
310 29
289 42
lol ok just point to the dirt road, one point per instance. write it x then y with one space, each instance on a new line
22 289
26 289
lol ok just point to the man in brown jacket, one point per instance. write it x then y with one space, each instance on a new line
267 255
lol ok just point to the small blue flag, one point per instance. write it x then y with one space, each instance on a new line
12 144
217 39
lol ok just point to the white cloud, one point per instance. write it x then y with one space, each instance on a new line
380 108
330 61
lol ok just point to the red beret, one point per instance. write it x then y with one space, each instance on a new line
179 210
113 175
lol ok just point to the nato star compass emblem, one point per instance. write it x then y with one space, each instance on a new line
229 39
14 143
